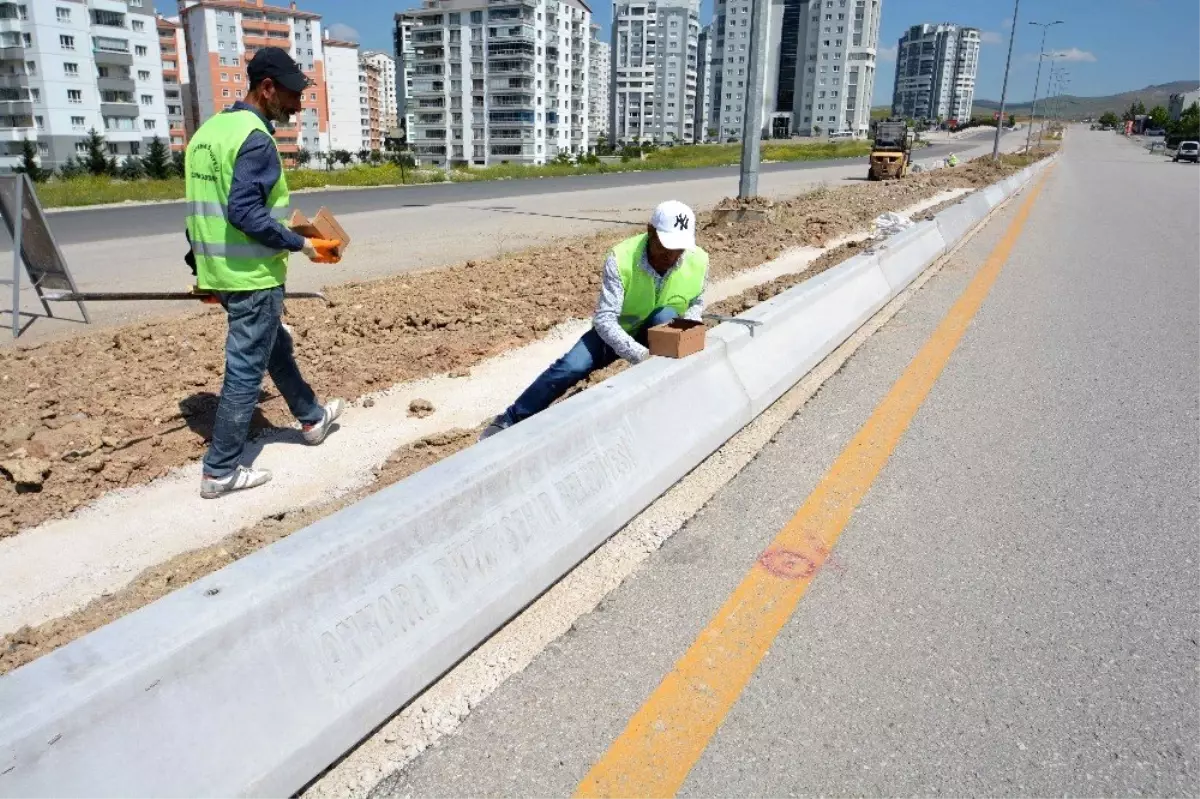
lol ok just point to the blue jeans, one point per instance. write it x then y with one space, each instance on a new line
588 355
256 345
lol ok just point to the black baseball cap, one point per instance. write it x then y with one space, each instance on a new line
275 63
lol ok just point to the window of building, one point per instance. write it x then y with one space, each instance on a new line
313 97
81 147
112 148
66 42
147 99
35 95
70 68
138 25
224 61
141 51
63 14
78 123
224 92
28 39
149 124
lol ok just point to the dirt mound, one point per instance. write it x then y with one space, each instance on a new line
121 408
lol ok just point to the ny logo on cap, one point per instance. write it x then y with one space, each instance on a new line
681 222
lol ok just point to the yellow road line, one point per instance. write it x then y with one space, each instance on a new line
666 737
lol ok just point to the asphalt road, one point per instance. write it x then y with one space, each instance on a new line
101 224
1013 609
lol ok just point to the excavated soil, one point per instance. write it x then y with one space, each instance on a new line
82 417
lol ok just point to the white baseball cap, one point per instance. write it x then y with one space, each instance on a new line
676 225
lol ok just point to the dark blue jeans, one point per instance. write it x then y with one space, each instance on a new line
588 355
255 346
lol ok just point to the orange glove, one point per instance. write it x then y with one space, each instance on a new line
323 251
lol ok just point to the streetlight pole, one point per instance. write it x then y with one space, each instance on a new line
1037 81
1049 96
1012 35
752 129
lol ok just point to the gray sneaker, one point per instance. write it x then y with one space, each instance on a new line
243 477
497 424
316 433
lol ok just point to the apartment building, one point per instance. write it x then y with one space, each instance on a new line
497 80
176 85
70 66
342 84
223 35
654 61
599 83
936 65
703 126
371 104
819 66
1178 103
403 48
389 98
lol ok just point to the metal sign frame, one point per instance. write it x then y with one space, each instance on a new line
26 210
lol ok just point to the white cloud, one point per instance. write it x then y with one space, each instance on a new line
888 53
991 37
344 32
1007 23
1075 54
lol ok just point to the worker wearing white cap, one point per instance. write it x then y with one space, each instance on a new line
648 280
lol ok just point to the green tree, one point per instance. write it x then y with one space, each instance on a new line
376 157
71 168
1159 117
1110 119
96 162
157 162
816 129
330 159
29 164
111 167
364 155
177 164
1136 109
1187 127
303 156
131 168
344 157
1012 120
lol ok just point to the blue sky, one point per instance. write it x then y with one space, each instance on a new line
1113 45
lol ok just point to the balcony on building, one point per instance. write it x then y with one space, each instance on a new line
517 33
107 19
108 51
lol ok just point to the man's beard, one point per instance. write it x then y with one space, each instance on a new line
277 113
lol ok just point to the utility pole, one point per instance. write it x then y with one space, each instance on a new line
752 130
1037 81
1012 35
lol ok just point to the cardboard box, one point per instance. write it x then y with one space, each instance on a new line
323 226
678 338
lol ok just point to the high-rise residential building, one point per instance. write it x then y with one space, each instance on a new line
403 48
176 84
935 72
71 67
704 88
654 61
496 80
223 35
342 82
819 66
385 66
598 85
371 104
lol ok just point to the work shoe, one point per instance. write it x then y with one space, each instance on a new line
497 424
316 433
241 478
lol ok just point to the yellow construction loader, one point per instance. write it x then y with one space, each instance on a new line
891 153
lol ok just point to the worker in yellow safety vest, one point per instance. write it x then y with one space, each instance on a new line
648 280
237 199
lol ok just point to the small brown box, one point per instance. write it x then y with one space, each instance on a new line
323 226
678 338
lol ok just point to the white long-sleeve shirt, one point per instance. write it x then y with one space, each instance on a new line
606 319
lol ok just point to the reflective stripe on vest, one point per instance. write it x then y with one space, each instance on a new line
679 288
204 208
226 258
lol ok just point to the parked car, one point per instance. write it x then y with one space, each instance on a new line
842 134
1188 151
1155 132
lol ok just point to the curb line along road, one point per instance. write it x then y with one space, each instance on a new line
668 735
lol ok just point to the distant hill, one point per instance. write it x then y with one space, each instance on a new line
1072 107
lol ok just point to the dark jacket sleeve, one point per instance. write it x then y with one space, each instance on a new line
254 175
